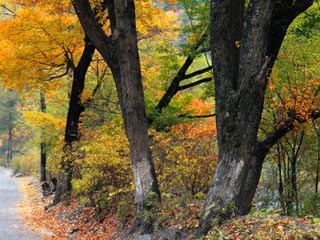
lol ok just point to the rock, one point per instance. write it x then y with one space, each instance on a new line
86 220
70 232
70 216
168 234
47 232
73 230
18 175
143 237
32 182
69 237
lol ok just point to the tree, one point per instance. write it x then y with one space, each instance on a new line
8 120
119 50
48 50
76 107
195 29
293 87
43 153
245 41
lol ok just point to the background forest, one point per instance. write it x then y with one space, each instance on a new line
42 47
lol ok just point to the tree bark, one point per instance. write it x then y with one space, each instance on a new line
120 51
72 134
244 46
318 165
43 154
10 141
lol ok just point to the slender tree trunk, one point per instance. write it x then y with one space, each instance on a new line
10 141
43 153
318 166
72 134
281 176
43 162
280 183
294 171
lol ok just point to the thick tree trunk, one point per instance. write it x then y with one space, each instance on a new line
120 51
72 134
134 115
244 47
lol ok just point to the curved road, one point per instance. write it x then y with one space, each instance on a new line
11 226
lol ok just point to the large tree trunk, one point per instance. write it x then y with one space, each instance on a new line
75 109
120 52
244 45
134 114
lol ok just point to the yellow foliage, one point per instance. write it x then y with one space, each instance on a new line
27 164
105 169
296 101
168 1
44 120
152 21
34 43
185 158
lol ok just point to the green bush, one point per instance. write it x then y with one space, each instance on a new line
27 164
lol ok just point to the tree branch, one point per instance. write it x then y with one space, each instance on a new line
12 13
60 75
102 42
181 75
197 116
196 73
284 128
194 83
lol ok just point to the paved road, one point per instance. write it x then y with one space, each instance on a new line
11 227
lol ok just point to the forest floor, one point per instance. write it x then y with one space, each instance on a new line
61 221
78 223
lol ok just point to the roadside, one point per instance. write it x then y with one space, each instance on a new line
11 224
74 222
78 222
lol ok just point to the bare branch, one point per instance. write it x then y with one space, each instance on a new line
286 127
60 75
180 76
194 83
196 73
197 116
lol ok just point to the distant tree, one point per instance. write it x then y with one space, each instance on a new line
8 120
43 145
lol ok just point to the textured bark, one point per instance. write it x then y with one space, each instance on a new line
244 45
72 134
43 154
120 51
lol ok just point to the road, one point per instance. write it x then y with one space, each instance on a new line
11 226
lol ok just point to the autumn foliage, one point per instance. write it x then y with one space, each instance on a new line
41 42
